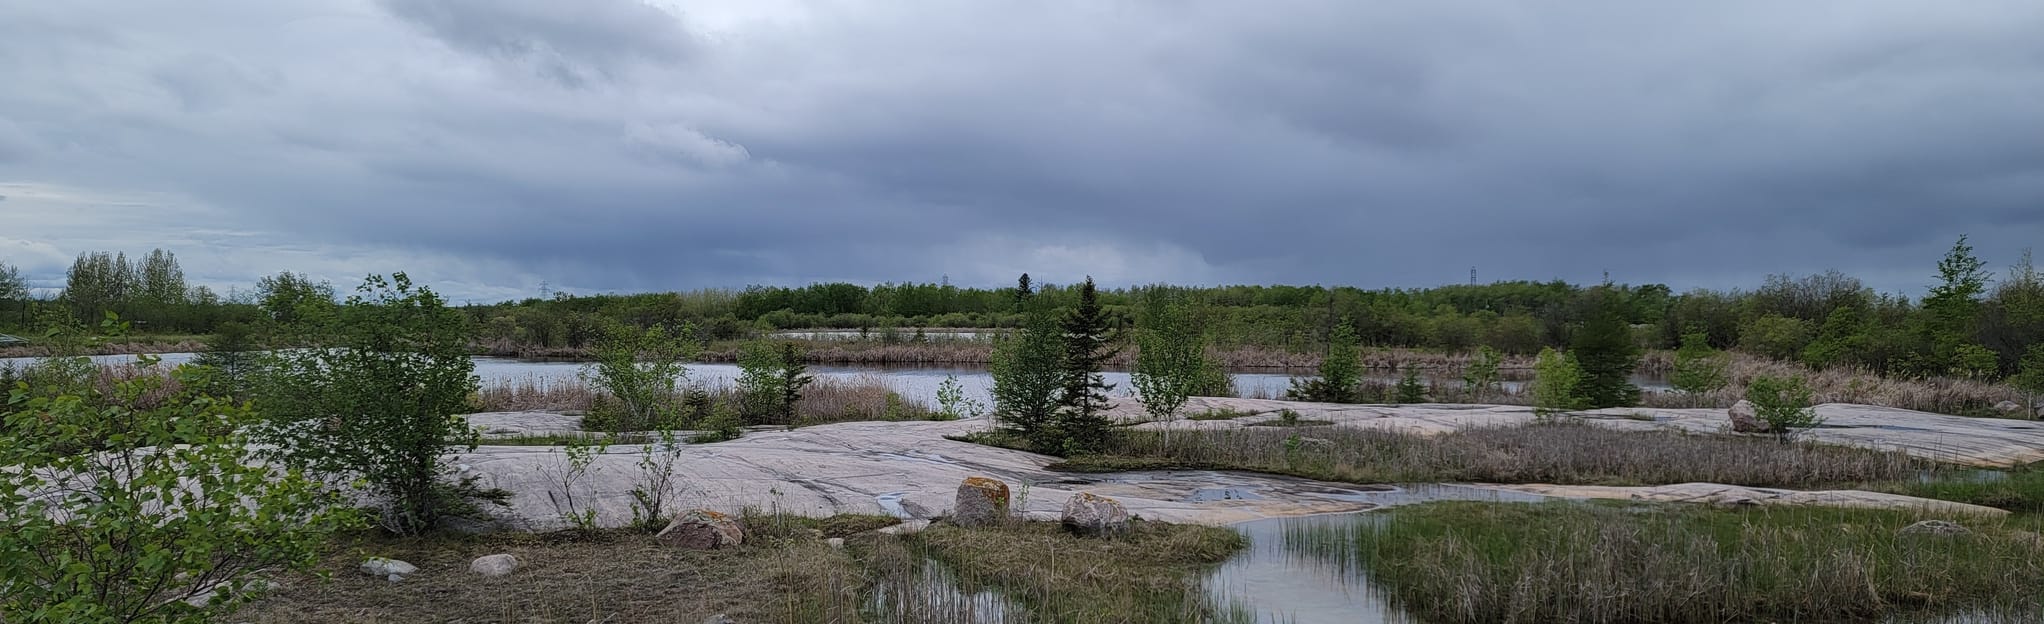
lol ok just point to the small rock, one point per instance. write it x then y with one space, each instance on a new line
1746 418
719 619
981 501
835 542
1934 527
494 565
388 568
702 529
1087 513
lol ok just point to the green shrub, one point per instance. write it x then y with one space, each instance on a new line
172 505
1783 403
1555 378
377 399
638 372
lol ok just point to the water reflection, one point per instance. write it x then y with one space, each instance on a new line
1293 573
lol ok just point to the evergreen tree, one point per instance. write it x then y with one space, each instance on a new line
231 353
1023 291
1341 371
794 377
1605 351
1410 389
1081 425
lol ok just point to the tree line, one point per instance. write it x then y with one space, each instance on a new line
1973 323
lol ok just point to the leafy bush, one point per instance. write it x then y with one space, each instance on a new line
1481 375
1028 378
1699 369
1555 379
1171 363
170 505
639 370
377 398
1783 403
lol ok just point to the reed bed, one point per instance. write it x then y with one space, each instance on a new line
185 344
1560 453
1456 563
826 400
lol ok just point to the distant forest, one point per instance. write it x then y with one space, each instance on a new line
1974 323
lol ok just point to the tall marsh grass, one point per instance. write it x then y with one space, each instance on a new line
1457 563
1560 453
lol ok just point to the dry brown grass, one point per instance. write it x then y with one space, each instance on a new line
1559 453
947 575
611 576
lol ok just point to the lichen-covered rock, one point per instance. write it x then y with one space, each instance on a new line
1087 513
1938 528
981 501
390 569
494 565
1746 418
702 529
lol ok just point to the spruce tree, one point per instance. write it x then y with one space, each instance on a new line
1023 291
1080 422
794 377
1605 351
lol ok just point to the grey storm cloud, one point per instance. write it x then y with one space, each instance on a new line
490 145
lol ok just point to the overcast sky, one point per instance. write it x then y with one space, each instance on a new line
488 146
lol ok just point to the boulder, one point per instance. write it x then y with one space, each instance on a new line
1087 513
835 542
1746 418
702 529
2011 408
1938 528
494 565
390 569
981 501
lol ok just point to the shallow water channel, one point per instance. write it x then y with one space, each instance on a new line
1280 578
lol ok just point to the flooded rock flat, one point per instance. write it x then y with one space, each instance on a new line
911 469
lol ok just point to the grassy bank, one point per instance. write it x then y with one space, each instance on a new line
2019 491
784 573
1561 453
1151 574
1458 563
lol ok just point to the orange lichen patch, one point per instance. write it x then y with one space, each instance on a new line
993 489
